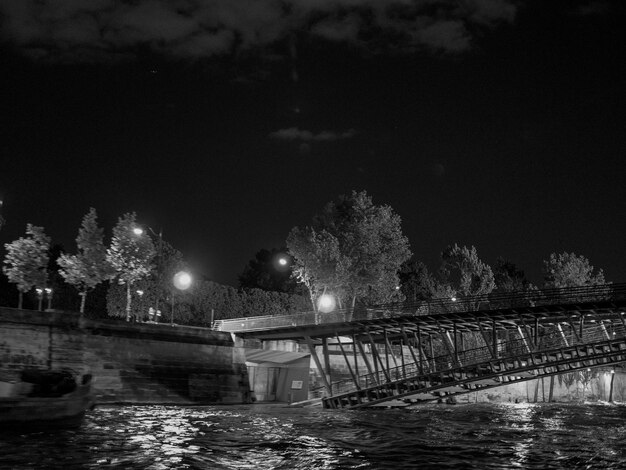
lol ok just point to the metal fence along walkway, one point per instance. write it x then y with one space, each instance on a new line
441 347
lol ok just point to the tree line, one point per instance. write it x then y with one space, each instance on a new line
353 250
136 271
356 250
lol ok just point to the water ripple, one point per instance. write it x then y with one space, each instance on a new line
473 436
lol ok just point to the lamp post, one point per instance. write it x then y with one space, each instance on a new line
139 231
49 297
182 281
39 292
140 294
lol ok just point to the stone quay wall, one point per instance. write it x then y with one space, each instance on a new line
130 363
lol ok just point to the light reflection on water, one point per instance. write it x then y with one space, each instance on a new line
276 437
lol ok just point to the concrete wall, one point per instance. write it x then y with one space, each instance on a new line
131 363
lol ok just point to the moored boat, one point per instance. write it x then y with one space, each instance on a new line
44 396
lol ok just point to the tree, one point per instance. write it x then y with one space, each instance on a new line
585 377
266 272
316 261
89 267
570 270
130 255
416 283
464 274
26 260
569 379
508 278
353 249
160 285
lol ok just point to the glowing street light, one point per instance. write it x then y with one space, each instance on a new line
138 231
182 281
326 303
281 262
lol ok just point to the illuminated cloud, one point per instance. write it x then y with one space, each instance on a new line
79 29
293 133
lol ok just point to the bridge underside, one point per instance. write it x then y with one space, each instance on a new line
495 373
415 356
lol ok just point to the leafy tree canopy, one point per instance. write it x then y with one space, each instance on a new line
416 282
509 278
570 270
89 267
463 275
130 254
26 260
352 248
169 261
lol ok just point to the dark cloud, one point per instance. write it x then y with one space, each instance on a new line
596 7
201 28
293 133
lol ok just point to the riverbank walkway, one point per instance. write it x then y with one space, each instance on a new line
436 349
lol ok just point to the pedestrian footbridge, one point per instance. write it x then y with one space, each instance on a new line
415 352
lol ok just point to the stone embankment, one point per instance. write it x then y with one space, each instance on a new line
131 363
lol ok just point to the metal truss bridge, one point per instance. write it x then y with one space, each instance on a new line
416 352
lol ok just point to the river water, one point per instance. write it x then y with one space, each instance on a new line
478 436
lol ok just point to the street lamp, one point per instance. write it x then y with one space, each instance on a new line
140 294
182 281
140 231
326 303
49 296
39 291
281 262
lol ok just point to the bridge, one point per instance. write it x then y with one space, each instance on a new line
414 352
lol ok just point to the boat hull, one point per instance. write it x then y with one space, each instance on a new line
70 407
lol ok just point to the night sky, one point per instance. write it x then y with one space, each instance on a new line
494 123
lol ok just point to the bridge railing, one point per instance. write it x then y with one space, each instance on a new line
497 301
507 350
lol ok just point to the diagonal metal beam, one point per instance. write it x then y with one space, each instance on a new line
343 352
560 328
487 340
376 357
368 366
406 340
318 364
